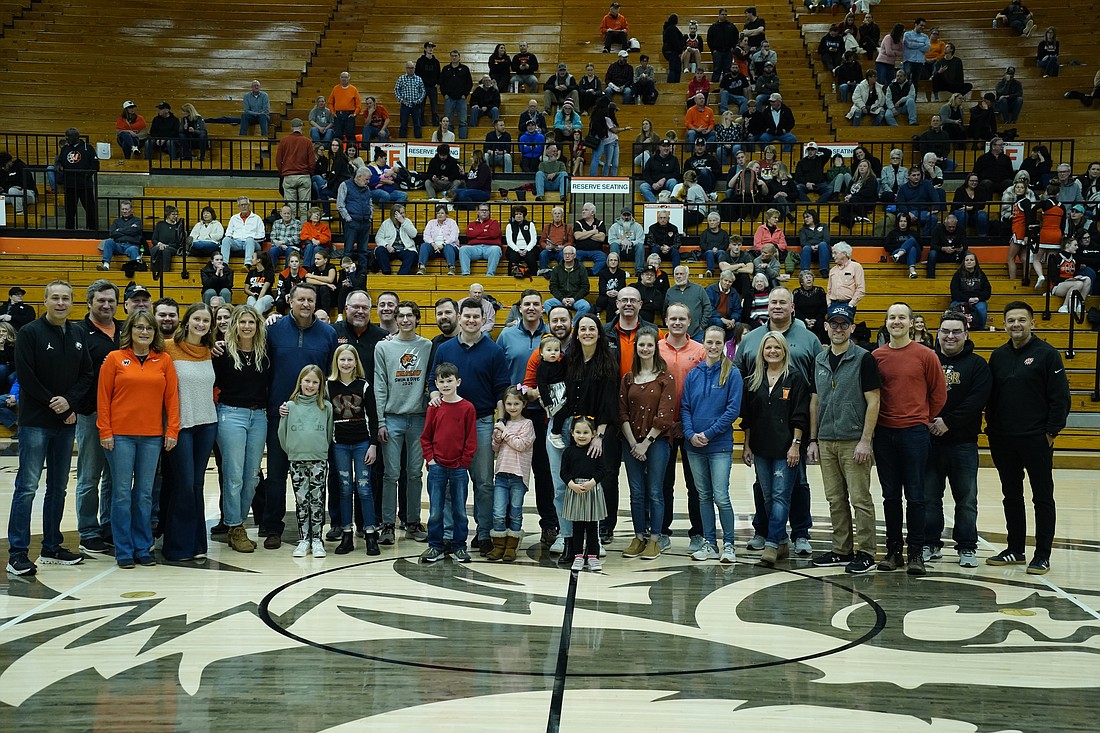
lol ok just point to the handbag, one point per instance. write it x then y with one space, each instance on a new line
592 141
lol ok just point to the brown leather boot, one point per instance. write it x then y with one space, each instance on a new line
497 553
511 543
238 539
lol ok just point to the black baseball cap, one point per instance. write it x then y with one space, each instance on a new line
134 290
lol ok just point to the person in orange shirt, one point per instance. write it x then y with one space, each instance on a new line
699 120
138 412
131 132
344 102
615 29
316 234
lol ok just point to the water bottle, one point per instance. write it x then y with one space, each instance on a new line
834 87
994 22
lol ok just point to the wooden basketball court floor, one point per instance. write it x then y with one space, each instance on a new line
266 642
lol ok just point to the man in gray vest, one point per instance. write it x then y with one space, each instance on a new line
843 414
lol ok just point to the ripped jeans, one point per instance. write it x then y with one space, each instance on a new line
776 482
354 476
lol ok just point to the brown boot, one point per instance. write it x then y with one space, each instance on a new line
238 539
511 543
497 553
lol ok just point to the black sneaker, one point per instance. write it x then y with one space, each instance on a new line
862 563
1038 566
432 554
21 565
60 556
484 546
334 534
891 562
916 565
219 529
831 560
460 555
1006 557
386 536
95 546
548 536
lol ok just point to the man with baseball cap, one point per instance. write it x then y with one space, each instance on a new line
615 29
136 298
295 160
559 89
164 133
843 414
777 121
15 311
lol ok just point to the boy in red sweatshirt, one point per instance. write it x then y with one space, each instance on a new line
448 441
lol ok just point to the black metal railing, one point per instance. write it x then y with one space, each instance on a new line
34 148
1076 305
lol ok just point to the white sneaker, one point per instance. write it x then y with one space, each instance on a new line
603 552
728 554
319 548
578 563
559 546
968 559
706 552
302 549
594 564
556 440
1064 308
1040 283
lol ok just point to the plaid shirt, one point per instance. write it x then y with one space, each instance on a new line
289 233
409 90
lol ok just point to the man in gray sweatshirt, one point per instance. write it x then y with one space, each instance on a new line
694 296
401 366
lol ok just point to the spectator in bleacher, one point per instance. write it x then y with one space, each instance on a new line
245 231
384 188
295 160
870 35
692 56
409 91
356 209
645 143
569 284
847 283
901 97
809 173
443 174
721 39
838 176
713 241
478 184
644 85
7 371
14 311
322 276
566 121
890 52
286 235
376 122
692 296
744 191
1038 167
498 146
782 191
440 240
861 196
396 239
259 283
704 164
983 118
672 45
903 243
125 237
17 181
256 110
971 291
456 81
994 169
735 87
948 244
810 304
206 236
339 170
559 89
660 173
767 82
619 77
831 49
936 51
164 133
427 68
555 235
627 239
952 115
937 141
443 132
522 241
531 145
663 239
1086 98
814 238
346 105
869 99
130 130
483 242
770 232
893 176
699 120
725 302
1010 97
947 74
1090 184
968 205
699 83
485 101
918 197
551 170
768 263
777 122
193 133
932 173
1017 17
754 28
614 29
1070 189
525 66
500 66
604 124
321 122
316 234
916 44
169 237
589 88
589 236
848 75
217 279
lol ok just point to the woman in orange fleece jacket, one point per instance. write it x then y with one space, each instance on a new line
132 382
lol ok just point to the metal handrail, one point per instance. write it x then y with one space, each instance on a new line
1076 317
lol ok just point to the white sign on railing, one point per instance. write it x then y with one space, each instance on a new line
428 151
845 149
675 215
603 186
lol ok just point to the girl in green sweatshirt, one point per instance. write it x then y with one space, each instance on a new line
305 433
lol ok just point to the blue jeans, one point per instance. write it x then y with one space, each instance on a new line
404 434
628 94
447 486
93 481
901 455
596 256
981 313
356 237
910 109
610 153
712 482
322 137
959 465
648 193
426 251
241 436
481 473
248 246
111 248
127 141
184 508
721 61
248 119
456 110
1009 109
354 475
559 183
382 198
52 449
169 145
546 257
673 255
1049 65
508 493
475 115
824 257
475 195
980 217
777 480
406 257
646 480
133 465
692 136
565 526
370 132
414 113
912 251
580 307
787 138
469 253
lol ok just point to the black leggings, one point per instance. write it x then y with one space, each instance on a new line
585 539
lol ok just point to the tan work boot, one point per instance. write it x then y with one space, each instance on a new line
511 544
652 549
497 553
238 539
635 548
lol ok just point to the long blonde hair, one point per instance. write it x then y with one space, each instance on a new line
315 371
723 360
259 341
359 371
760 370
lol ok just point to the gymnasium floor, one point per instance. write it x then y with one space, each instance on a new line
266 642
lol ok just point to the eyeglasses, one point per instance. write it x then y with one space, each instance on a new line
143 327
839 325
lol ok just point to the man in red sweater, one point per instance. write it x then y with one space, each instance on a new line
449 441
295 160
913 393
482 242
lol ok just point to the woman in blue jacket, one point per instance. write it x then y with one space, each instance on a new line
710 404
